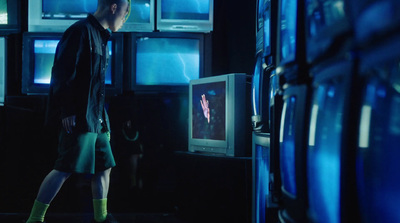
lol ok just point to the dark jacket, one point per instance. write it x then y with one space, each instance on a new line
78 77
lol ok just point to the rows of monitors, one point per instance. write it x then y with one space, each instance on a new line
155 62
172 15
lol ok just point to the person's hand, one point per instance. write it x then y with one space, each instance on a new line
68 123
206 110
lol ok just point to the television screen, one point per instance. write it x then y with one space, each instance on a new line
9 16
288 30
39 51
57 16
3 65
324 150
327 22
185 16
287 146
379 134
166 62
217 115
261 175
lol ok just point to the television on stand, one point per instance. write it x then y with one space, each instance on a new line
331 142
185 15
292 152
3 70
10 17
38 53
329 29
379 135
57 16
218 116
167 61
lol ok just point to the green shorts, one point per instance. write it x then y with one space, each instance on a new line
86 153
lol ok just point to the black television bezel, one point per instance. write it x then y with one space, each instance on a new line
205 55
330 40
30 88
295 207
14 14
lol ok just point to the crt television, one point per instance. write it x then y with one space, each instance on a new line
3 70
269 26
292 152
260 96
379 133
57 16
330 153
261 4
10 13
38 57
291 32
328 25
185 15
217 115
166 62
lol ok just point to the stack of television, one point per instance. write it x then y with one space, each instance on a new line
377 37
153 62
263 106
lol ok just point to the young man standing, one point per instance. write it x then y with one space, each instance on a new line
76 104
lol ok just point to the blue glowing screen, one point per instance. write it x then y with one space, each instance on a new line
323 13
185 9
262 164
208 111
323 157
140 11
44 51
288 30
378 175
167 61
287 146
67 9
255 90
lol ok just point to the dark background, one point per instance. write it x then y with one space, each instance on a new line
173 180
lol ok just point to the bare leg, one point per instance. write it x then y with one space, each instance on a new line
100 184
51 185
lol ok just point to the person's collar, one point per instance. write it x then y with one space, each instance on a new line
106 33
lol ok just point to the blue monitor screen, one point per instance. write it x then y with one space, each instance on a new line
167 61
208 111
67 9
287 146
288 30
256 84
378 176
44 51
262 164
323 156
323 13
3 12
184 9
140 11
267 31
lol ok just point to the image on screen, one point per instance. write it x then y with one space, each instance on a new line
140 12
377 173
184 9
288 30
262 181
3 12
323 13
67 9
208 111
323 162
167 61
44 51
287 146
